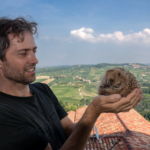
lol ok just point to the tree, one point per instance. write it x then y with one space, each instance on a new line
62 104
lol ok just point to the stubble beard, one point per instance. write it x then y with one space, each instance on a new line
16 76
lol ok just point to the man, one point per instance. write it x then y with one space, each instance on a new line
30 115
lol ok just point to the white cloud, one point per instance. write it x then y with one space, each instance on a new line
84 34
117 37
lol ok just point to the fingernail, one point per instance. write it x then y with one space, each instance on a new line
117 97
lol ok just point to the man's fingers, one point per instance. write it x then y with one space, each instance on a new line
131 103
138 98
135 100
129 107
132 94
141 97
126 100
139 101
108 99
112 98
114 103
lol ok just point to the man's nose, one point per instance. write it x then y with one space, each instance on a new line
33 58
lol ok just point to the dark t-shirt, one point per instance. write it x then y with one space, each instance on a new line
31 122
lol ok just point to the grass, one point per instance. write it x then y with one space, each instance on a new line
146 95
71 94
89 97
88 92
67 93
39 80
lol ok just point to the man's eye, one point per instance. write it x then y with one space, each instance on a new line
22 53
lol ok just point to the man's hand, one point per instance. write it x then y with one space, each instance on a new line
48 147
100 104
115 104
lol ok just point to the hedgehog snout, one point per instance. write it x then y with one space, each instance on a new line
105 86
110 82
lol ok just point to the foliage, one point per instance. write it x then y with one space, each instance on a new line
68 107
146 114
102 65
144 106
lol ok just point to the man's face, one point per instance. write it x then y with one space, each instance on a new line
19 66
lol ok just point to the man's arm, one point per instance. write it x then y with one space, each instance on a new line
80 132
68 125
100 104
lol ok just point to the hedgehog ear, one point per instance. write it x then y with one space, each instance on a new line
108 71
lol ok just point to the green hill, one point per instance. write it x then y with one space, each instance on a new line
76 86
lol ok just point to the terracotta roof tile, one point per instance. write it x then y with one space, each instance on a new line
131 128
79 113
71 115
106 144
134 121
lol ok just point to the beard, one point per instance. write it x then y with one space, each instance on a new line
17 75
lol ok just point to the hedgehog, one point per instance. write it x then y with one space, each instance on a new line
118 81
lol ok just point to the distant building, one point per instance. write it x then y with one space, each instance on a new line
89 81
63 76
69 83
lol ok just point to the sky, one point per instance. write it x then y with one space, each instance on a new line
72 32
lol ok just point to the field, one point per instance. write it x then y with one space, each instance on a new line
76 86
48 81
73 83
39 80
67 93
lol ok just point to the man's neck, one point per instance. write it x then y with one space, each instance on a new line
15 89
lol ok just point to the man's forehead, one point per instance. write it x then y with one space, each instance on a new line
22 41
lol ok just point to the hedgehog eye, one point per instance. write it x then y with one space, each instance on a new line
119 74
111 80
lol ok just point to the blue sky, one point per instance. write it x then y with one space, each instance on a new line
87 31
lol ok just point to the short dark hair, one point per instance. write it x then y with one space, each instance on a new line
16 27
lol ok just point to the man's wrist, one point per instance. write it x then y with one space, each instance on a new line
95 105
89 116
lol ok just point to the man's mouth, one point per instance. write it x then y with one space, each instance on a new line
30 70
